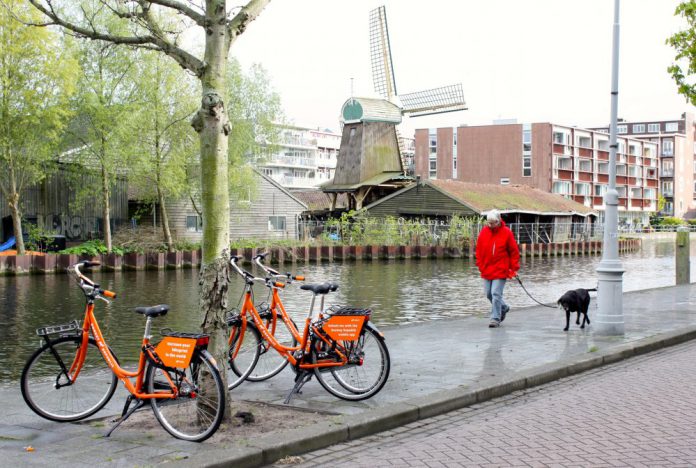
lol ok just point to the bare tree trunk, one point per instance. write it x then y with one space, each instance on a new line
106 209
212 124
17 222
165 221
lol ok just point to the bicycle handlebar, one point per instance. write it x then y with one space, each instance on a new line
101 293
287 276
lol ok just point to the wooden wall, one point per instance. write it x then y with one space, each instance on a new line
248 219
68 203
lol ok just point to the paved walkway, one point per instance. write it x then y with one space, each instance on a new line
436 367
639 412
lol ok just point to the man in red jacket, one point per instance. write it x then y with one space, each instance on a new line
498 259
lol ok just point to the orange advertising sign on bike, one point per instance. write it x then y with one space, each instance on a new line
344 327
176 352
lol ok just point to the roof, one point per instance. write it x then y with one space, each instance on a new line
378 179
370 110
279 187
509 198
504 198
316 200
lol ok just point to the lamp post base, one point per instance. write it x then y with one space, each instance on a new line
609 320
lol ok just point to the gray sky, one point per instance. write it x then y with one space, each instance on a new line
534 60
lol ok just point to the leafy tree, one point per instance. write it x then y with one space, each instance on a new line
684 43
220 25
104 103
36 78
165 145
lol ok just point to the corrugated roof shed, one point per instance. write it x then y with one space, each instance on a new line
316 200
508 198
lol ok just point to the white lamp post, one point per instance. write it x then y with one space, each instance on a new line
610 319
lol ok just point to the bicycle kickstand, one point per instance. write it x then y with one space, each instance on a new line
301 378
126 413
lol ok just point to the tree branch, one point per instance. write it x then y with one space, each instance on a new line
182 57
237 25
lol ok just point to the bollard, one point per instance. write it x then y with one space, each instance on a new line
682 259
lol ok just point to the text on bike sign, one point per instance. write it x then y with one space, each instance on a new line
344 327
176 352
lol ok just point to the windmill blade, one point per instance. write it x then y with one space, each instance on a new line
434 101
380 54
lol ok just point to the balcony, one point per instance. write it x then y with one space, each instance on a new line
287 161
667 173
585 176
585 152
603 155
565 174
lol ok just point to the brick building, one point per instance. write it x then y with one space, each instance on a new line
559 159
677 158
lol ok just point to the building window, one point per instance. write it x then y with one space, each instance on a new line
639 128
667 148
622 129
433 167
671 127
527 149
559 138
561 187
600 190
454 154
194 223
654 128
276 223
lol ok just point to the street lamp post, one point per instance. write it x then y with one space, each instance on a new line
610 319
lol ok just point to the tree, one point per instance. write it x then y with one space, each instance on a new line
36 78
221 28
684 43
165 146
105 100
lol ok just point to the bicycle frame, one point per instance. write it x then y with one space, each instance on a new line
287 352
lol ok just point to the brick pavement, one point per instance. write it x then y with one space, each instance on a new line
639 412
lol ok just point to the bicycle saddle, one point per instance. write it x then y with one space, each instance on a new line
153 311
323 288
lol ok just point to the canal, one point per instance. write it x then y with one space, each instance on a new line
398 291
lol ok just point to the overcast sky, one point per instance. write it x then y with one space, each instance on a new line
533 61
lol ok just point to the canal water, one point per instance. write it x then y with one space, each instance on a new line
398 291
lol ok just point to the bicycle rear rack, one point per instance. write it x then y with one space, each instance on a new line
63 328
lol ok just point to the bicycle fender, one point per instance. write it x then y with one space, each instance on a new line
372 327
210 357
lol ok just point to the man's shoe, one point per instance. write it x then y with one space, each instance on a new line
494 324
504 312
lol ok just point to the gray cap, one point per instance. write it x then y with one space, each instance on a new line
493 215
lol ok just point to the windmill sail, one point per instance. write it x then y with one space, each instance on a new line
434 101
380 54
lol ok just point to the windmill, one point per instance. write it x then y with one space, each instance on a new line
371 159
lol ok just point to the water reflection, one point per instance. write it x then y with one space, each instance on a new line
399 291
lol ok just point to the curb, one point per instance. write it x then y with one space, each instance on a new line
268 449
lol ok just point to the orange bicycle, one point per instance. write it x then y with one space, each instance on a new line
75 373
340 346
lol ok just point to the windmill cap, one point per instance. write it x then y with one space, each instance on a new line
493 215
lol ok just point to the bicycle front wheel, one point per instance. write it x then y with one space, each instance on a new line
243 360
271 362
197 410
357 381
48 391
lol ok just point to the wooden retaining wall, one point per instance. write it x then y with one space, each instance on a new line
57 263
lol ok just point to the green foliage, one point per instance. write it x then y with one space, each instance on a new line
35 236
684 44
185 246
37 77
671 221
357 228
691 222
93 248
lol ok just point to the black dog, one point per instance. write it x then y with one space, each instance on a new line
577 300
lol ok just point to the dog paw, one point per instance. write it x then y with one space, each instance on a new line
565 329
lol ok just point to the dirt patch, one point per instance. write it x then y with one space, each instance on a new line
254 420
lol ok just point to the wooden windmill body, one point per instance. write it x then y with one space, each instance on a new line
370 162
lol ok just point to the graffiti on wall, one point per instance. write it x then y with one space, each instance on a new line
76 227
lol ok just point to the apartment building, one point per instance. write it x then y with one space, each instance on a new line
677 158
304 157
569 161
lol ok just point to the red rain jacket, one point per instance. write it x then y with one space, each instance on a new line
497 254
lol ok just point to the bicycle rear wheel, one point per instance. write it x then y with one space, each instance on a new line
196 413
243 361
271 362
357 381
48 391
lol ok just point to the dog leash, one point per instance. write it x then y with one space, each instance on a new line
517 277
